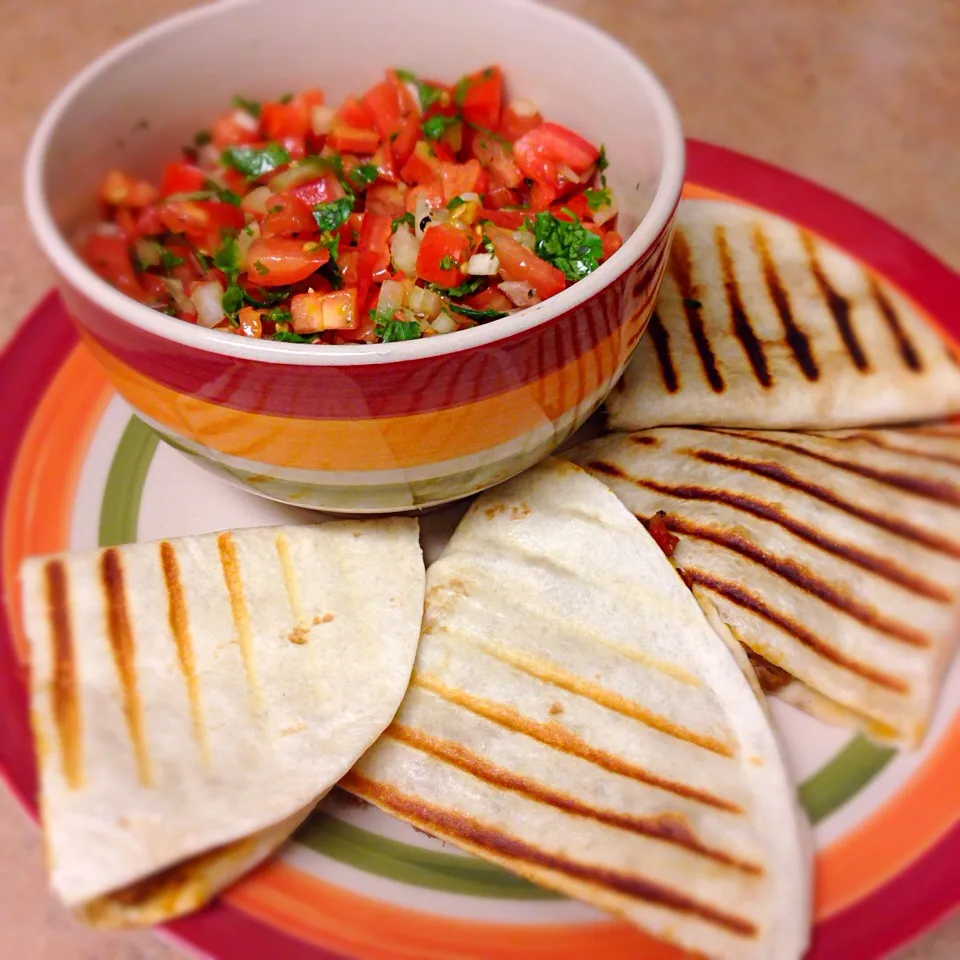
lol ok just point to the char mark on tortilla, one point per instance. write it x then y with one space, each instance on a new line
661 343
908 351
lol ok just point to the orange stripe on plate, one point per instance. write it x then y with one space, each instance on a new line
36 518
375 444
352 924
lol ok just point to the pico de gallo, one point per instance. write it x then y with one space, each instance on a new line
414 210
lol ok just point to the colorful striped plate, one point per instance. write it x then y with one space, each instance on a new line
78 470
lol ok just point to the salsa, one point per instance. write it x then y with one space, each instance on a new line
414 210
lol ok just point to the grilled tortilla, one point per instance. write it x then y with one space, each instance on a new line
573 718
193 699
834 557
760 324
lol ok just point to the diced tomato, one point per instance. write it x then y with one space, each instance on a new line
181 178
498 196
459 178
314 312
249 322
295 146
406 139
534 161
540 152
442 250
385 164
513 125
285 261
234 127
423 165
432 192
374 252
126 222
664 539
612 242
349 264
541 196
497 159
519 263
408 102
155 288
481 102
577 205
346 139
184 216
489 299
279 120
511 219
120 190
382 102
354 114
109 258
149 223
322 190
287 216
387 199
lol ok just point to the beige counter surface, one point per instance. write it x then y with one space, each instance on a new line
860 95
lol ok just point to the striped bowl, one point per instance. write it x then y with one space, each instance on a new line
378 428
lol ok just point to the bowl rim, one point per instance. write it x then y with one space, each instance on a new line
76 273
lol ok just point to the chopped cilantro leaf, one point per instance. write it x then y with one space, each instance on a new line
407 218
598 198
276 208
255 161
568 246
456 202
169 260
267 298
434 128
602 161
332 272
395 330
330 216
202 259
279 315
476 314
471 285
223 194
286 98
447 263
202 138
227 256
427 92
232 299
288 336
260 268
332 242
251 106
363 175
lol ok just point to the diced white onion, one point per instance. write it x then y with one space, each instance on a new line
206 298
426 304
245 240
404 248
415 93
523 108
424 215
526 238
391 297
175 288
444 323
208 156
148 252
520 294
256 200
467 197
246 120
321 119
607 212
483 265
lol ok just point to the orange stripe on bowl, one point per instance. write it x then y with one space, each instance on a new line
43 486
285 897
913 820
374 444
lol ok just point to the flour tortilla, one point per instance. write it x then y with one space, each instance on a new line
760 324
198 697
573 718
834 557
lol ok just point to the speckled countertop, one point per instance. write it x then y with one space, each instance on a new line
860 95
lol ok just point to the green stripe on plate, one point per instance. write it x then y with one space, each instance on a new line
836 783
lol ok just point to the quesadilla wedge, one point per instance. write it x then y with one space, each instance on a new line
573 718
193 699
834 557
761 324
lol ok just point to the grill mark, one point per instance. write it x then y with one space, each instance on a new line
743 598
738 314
941 491
669 828
883 444
558 737
550 673
64 705
908 352
179 619
120 634
838 305
661 343
803 578
880 566
501 845
779 474
796 339
680 270
230 564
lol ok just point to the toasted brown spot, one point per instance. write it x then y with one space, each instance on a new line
555 709
300 634
742 597
780 474
326 618
514 511
796 339
669 828
548 672
120 634
344 796
503 847
661 343
230 564
680 268
742 327
881 566
179 620
838 305
553 734
64 705
771 677
802 577
908 352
